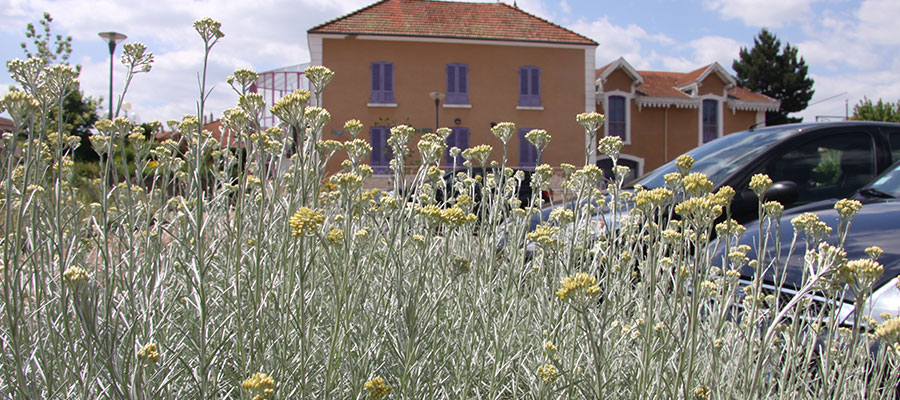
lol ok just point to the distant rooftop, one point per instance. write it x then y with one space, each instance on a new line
445 19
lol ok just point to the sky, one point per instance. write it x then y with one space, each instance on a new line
852 48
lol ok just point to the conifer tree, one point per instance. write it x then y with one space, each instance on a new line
777 72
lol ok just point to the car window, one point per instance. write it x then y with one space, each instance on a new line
834 166
721 157
895 146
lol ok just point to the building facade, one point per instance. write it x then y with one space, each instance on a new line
485 62
661 115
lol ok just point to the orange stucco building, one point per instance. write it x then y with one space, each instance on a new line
490 62
661 115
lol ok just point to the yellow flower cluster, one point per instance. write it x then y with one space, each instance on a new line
504 131
697 184
874 252
378 388
862 272
611 146
352 127
335 237
647 199
75 276
701 211
456 216
847 209
260 385
149 353
889 331
684 163
478 153
810 224
701 392
578 287
544 235
539 138
590 121
760 183
306 221
548 372
347 180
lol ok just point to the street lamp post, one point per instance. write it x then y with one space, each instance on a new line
112 38
437 97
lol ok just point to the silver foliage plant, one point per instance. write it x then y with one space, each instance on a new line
228 265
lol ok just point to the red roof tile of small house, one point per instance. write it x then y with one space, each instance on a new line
664 84
6 125
446 19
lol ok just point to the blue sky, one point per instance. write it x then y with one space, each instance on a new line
852 47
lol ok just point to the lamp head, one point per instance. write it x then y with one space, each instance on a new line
112 37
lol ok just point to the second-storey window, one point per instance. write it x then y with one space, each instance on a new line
382 82
710 120
615 117
457 84
530 86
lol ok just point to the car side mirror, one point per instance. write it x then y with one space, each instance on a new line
784 192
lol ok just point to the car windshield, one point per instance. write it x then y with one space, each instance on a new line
888 183
721 157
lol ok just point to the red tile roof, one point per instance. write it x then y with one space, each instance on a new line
664 84
6 125
445 19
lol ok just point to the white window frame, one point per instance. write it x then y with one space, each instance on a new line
720 110
628 98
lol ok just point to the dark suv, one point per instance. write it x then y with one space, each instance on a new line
808 162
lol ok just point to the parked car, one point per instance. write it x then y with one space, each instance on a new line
808 162
877 224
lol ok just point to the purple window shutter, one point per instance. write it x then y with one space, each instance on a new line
376 82
451 79
529 86
616 116
710 120
382 82
388 83
527 151
457 92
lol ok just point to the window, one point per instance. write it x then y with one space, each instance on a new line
381 152
615 114
895 146
457 84
827 167
529 86
459 137
382 82
710 120
527 151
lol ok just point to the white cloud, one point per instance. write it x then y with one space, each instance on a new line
620 41
878 22
770 13
258 36
850 89
709 49
565 7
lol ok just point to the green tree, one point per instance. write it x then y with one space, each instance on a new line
867 110
79 111
775 72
